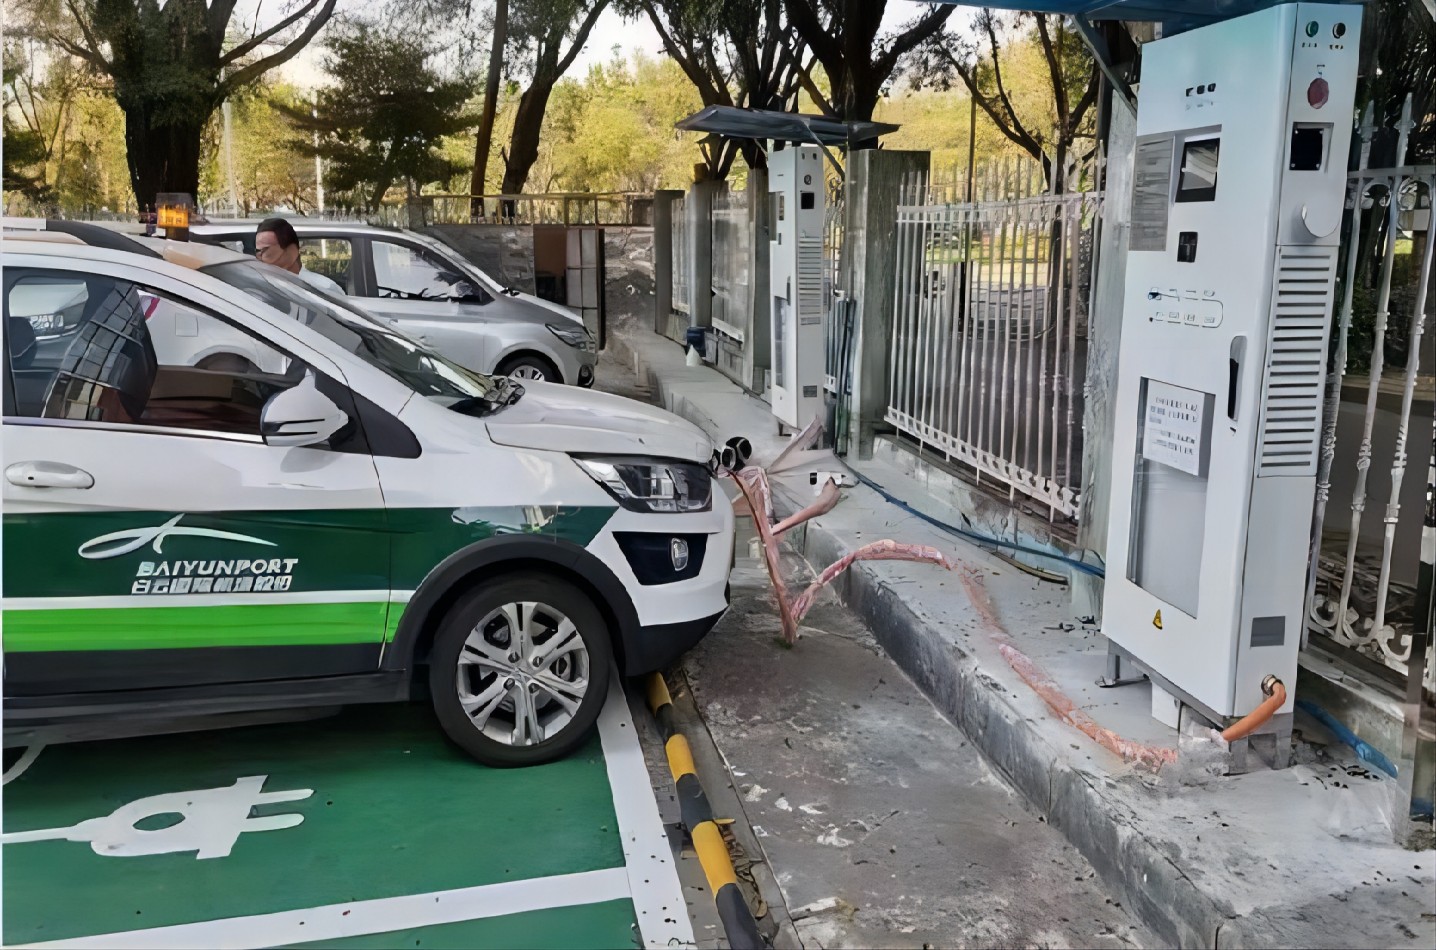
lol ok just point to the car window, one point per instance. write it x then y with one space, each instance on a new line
99 349
240 243
330 257
411 273
422 370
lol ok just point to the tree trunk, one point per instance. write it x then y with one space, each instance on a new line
484 139
524 143
858 97
162 158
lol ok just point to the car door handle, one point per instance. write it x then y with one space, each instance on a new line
48 475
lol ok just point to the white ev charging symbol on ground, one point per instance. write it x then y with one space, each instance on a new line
211 821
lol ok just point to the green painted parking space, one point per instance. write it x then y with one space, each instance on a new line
371 805
591 927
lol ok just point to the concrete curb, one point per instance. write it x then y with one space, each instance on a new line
1147 880
1144 876
738 922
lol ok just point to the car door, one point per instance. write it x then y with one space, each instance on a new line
433 301
151 536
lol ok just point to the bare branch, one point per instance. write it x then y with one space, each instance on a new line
581 37
805 20
805 78
1054 67
89 53
927 27
260 39
259 67
1006 124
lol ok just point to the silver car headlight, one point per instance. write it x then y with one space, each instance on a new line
577 337
652 485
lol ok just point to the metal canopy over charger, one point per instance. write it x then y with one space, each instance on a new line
790 127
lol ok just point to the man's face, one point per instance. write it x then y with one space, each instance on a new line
267 249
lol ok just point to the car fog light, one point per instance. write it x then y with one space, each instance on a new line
678 550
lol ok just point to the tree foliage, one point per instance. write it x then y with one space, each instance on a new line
269 171
544 38
1399 51
741 53
1029 73
64 136
844 38
25 150
169 65
618 135
383 121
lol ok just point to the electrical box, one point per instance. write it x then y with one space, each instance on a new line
1243 134
796 193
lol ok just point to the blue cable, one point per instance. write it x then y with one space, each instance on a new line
1076 565
1364 750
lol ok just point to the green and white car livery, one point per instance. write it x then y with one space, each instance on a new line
191 535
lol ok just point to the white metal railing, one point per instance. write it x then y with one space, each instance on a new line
836 348
989 345
1363 587
732 240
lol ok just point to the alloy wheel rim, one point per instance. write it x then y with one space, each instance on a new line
522 673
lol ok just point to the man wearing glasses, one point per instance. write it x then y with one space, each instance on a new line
276 243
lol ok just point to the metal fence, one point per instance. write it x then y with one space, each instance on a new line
567 208
1363 587
989 345
732 254
682 260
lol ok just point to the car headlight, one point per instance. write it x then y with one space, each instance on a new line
652 485
576 337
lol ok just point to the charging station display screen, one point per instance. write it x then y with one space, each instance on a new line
1198 178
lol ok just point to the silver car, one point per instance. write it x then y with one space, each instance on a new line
434 295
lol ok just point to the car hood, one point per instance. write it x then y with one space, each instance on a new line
568 419
535 309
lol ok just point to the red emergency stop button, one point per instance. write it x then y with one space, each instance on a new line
1317 93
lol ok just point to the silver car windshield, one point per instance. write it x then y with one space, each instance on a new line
401 358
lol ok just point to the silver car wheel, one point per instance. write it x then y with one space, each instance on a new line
529 371
522 673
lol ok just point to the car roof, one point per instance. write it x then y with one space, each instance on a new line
192 254
92 235
43 237
244 225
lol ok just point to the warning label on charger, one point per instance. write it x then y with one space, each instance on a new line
1172 426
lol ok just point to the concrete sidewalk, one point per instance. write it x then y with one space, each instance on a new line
1298 857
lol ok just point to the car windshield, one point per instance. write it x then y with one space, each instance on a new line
422 370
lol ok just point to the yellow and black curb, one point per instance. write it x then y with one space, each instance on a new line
697 815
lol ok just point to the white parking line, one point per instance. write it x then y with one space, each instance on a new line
649 878
27 759
383 915
657 893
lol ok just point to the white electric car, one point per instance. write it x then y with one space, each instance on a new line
336 518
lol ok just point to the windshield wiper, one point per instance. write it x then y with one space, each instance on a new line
503 393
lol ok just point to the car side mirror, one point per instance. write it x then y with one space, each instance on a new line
301 415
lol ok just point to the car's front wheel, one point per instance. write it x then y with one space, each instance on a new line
527 366
520 670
